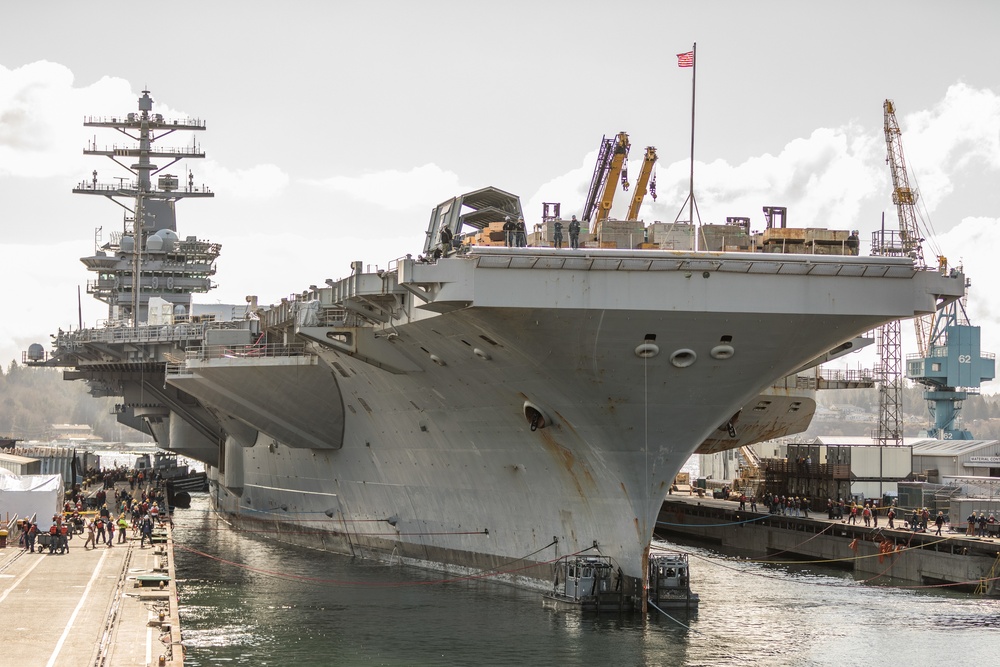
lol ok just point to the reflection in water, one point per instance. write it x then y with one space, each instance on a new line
303 607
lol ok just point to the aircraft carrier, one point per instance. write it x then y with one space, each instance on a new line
475 407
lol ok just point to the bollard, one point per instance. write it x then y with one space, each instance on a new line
3 538
162 661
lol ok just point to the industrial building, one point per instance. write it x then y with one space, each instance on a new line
858 469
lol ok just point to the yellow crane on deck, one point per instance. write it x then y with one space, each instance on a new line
643 184
611 165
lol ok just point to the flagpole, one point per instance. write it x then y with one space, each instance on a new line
694 76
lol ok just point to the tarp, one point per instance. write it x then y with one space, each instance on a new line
26 495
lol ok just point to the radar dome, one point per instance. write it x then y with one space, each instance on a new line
127 244
36 352
154 244
169 239
180 311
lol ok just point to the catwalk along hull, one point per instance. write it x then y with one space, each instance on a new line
411 433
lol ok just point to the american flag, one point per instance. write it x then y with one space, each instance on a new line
685 59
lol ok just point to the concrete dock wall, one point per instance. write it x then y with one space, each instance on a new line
922 558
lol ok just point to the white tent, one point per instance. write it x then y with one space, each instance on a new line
27 495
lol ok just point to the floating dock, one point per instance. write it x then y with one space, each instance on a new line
875 555
101 606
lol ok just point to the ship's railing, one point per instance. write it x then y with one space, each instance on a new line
847 375
153 118
942 351
331 317
287 311
206 352
128 150
130 188
150 333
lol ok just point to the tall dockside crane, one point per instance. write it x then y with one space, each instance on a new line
905 199
949 362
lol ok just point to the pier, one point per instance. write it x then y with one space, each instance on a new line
873 554
107 606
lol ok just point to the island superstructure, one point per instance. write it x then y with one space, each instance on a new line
486 407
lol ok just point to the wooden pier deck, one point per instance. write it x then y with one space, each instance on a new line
87 607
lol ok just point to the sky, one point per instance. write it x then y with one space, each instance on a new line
334 127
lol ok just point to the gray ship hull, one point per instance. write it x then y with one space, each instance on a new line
414 438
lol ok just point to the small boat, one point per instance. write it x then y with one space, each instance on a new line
178 476
670 581
587 583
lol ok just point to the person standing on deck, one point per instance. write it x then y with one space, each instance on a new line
574 233
508 232
146 529
91 535
939 522
30 535
557 238
447 237
522 233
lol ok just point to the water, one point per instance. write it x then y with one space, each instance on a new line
249 601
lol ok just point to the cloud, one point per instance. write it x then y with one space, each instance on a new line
262 181
960 132
972 244
396 190
41 131
836 177
831 170
58 275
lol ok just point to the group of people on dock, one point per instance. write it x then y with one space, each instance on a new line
138 506
787 505
978 524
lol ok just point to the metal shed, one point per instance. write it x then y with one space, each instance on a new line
956 458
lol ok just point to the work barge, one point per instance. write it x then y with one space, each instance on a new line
876 555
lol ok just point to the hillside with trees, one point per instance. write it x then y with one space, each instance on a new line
32 399
979 414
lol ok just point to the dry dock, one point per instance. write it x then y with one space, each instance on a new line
98 606
875 555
